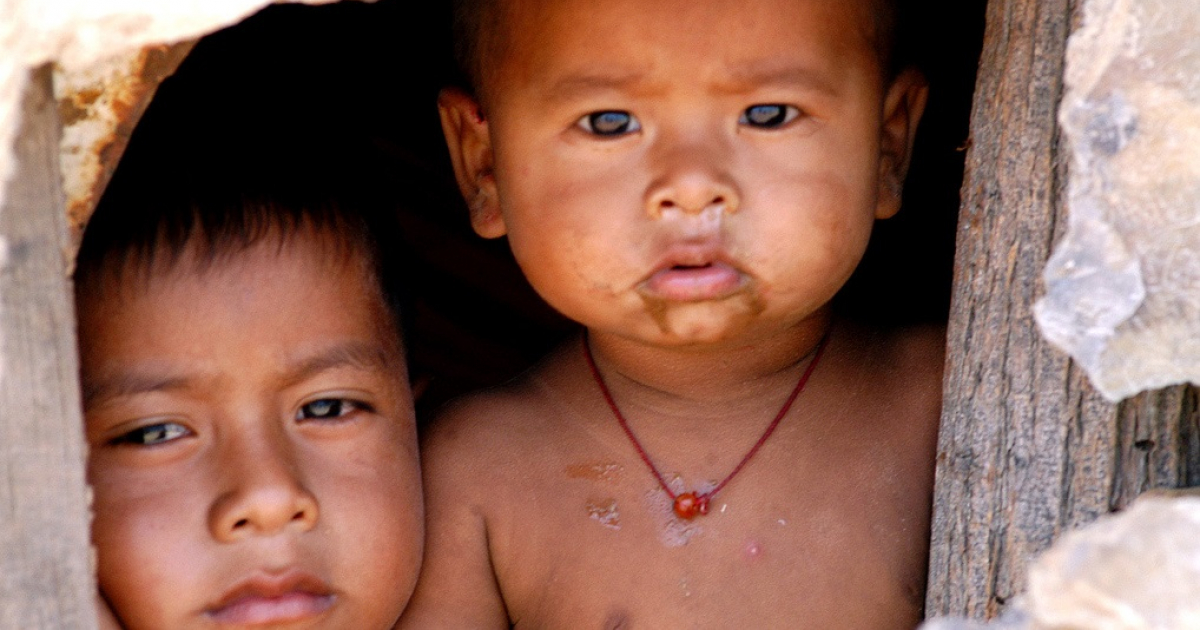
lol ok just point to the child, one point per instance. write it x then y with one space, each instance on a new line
253 449
693 181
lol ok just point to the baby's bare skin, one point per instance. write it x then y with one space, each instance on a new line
827 527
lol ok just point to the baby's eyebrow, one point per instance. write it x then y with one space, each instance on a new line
737 80
751 76
580 84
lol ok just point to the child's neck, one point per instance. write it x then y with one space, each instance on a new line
719 377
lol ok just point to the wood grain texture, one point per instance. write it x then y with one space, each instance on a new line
45 558
1027 448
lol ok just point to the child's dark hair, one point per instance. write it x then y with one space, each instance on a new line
474 41
213 207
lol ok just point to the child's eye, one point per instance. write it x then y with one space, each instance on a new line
327 409
153 434
768 116
609 123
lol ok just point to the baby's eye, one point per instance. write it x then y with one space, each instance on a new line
152 434
327 409
768 116
609 123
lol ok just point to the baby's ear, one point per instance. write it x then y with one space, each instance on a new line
470 147
902 108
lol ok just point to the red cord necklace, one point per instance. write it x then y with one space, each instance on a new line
688 504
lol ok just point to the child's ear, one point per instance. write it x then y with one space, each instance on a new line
902 108
470 147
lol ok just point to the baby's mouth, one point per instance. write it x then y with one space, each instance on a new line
266 599
714 280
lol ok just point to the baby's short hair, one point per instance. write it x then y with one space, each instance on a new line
474 43
215 207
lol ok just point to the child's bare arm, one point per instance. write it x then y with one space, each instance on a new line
457 587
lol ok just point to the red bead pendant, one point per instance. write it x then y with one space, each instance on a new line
688 505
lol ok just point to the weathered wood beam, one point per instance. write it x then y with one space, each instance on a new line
45 559
1027 448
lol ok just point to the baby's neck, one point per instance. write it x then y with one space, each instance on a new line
715 379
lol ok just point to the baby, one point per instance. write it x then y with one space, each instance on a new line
693 181
252 441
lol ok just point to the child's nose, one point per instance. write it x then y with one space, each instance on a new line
263 495
691 178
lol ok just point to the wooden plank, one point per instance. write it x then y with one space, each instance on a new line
1027 449
45 558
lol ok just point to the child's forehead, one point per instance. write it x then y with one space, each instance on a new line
279 306
203 257
229 271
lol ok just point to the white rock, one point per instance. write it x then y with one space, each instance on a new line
1139 570
1123 286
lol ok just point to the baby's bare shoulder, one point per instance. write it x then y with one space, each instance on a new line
918 357
494 426
476 459
904 353
921 348
480 428
904 366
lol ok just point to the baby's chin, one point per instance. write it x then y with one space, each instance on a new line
697 323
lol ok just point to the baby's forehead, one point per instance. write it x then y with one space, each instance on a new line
504 32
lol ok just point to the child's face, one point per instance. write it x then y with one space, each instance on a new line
681 171
253 448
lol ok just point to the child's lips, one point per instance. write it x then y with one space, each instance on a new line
271 599
694 283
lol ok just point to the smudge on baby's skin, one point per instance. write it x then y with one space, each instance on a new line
595 472
743 306
604 511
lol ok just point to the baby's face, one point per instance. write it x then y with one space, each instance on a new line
681 171
253 448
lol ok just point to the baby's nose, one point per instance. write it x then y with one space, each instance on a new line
691 182
263 495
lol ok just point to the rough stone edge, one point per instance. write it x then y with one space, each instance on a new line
99 109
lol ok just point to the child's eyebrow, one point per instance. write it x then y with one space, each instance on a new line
360 355
356 354
129 384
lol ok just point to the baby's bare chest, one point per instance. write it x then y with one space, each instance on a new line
596 545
